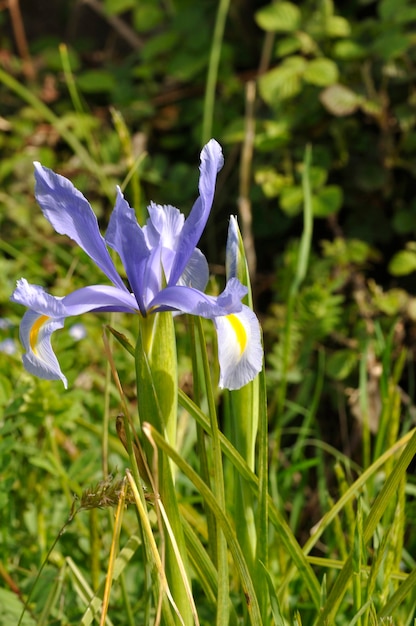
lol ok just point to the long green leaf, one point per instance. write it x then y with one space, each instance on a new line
229 533
383 500
292 546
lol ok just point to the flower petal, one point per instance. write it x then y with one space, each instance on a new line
99 298
71 214
212 161
240 351
232 251
126 237
193 301
36 298
196 272
47 314
35 335
162 231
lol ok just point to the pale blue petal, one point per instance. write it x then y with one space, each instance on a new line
99 298
196 273
240 352
193 301
35 335
162 231
71 214
92 298
126 237
35 297
47 314
232 249
164 225
212 161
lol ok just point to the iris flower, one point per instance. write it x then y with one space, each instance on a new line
164 268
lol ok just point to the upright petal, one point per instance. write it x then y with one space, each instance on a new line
126 237
164 225
240 351
162 231
71 214
232 251
196 272
212 161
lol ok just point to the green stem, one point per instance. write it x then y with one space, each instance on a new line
302 265
214 61
218 485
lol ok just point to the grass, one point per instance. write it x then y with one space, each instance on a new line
116 511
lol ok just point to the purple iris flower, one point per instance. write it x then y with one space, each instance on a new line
165 271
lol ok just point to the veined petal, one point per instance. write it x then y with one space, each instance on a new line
47 313
92 298
99 298
212 161
240 352
163 226
162 231
126 237
193 301
36 298
196 272
71 214
35 335
232 251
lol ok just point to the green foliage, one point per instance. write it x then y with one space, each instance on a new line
126 106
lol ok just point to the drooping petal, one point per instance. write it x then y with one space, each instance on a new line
36 298
47 313
240 351
212 161
39 358
126 237
71 214
92 298
99 298
193 301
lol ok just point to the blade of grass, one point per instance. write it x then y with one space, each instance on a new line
383 500
277 519
208 495
218 482
300 273
407 589
214 61
86 594
155 556
113 548
45 112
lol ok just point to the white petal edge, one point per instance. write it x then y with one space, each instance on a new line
240 351
35 335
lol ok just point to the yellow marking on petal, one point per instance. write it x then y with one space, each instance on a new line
240 331
34 331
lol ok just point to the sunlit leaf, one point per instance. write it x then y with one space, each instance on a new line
328 200
321 72
279 17
340 100
403 263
